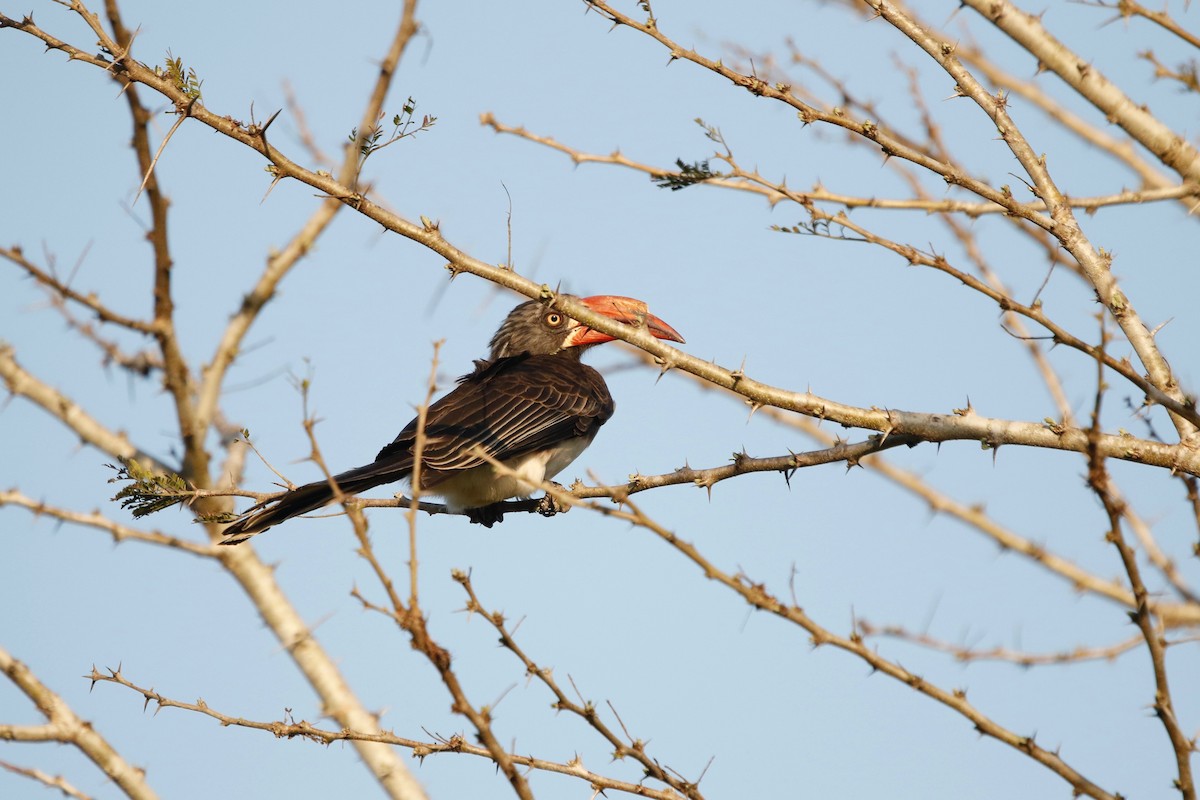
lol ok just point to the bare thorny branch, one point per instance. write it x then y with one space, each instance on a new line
1151 629
421 748
706 478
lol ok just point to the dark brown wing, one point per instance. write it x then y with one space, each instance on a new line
508 408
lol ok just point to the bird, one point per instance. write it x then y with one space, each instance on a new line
531 405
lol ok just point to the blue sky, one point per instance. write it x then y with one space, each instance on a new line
684 662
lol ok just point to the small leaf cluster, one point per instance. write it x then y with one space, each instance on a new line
404 125
148 491
185 80
688 175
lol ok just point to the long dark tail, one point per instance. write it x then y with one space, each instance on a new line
309 497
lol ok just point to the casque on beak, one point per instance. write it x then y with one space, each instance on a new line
623 309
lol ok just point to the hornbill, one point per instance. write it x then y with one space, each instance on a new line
531 406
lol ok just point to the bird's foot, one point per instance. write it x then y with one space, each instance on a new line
548 506
487 516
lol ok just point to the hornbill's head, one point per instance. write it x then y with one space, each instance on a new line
538 329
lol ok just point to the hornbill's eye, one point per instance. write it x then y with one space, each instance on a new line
554 319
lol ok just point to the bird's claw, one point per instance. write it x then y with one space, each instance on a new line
549 505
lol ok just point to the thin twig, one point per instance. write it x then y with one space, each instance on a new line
415 481
1115 509
1021 658
50 781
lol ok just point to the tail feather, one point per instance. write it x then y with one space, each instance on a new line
306 498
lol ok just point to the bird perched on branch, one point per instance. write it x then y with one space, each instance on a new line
531 406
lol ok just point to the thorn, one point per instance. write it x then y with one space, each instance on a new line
888 430
262 130
664 368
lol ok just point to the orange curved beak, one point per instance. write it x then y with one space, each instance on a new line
623 309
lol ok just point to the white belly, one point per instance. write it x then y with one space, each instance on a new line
483 485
